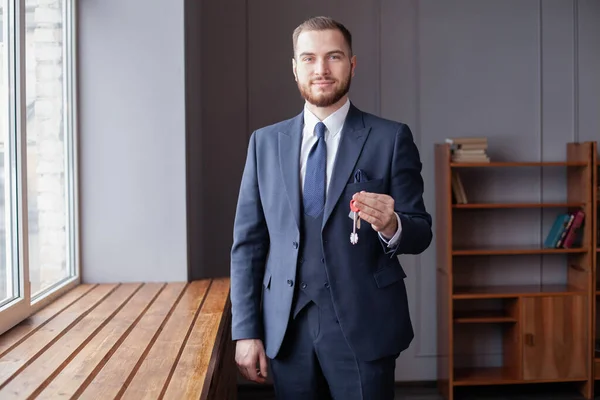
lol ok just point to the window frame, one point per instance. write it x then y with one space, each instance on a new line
23 305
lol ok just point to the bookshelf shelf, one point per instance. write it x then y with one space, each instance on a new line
485 376
481 302
483 317
497 376
518 164
512 291
515 251
516 205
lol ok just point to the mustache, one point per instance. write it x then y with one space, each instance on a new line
318 80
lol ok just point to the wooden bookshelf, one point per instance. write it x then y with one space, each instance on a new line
543 325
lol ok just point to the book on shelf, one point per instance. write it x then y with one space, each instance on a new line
565 231
458 190
468 149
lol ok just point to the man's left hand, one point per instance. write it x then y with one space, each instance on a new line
378 210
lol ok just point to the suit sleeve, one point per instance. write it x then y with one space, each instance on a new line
407 190
248 253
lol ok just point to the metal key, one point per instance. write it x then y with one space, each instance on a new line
354 235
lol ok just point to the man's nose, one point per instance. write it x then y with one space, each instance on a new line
321 67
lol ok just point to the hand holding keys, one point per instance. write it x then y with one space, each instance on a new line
377 209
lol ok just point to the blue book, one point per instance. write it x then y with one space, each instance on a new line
560 223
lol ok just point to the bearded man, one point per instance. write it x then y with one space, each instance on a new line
328 200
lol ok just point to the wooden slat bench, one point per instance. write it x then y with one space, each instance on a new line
124 341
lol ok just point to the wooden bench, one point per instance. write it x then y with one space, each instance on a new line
126 341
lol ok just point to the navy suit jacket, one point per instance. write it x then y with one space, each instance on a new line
366 280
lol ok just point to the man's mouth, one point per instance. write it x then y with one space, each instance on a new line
323 83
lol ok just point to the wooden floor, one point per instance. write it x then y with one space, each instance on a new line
125 341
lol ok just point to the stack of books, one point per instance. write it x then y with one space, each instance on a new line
565 232
469 149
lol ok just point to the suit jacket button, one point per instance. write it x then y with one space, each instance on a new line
304 285
295 244
326 285
290 282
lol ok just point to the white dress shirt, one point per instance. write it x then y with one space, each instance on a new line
334 124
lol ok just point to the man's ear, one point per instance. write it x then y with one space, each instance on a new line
294 69
352 64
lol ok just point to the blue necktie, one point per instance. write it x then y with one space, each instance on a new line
314 179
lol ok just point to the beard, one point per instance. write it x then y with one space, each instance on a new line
322 99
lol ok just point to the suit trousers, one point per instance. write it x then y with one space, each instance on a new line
315 362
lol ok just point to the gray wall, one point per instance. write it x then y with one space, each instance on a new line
132 140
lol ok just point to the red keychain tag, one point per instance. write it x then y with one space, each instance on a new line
353 207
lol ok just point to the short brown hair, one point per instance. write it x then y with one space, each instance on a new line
322 24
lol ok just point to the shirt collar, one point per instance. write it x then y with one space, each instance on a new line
333 122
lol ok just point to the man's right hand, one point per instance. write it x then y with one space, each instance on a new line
251 359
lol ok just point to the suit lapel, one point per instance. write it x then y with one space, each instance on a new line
354 134
290 141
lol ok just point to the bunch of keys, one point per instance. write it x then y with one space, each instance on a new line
355 222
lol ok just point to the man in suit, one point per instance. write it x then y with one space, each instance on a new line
330 313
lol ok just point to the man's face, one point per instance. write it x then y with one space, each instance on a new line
322 66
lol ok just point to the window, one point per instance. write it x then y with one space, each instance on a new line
38 229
